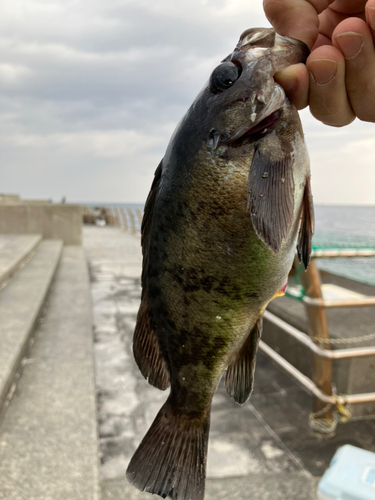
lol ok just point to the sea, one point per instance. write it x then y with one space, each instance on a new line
335 226
346 227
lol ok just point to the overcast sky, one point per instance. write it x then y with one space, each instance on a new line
91 90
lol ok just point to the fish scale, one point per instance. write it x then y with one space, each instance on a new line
229 204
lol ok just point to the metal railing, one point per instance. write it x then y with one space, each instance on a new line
320 386
318 342
128 218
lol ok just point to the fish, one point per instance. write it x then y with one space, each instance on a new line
229 205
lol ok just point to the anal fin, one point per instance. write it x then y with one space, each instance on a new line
239 379
147 351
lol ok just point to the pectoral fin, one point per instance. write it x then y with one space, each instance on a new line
147 352
239 379
307 226
270 198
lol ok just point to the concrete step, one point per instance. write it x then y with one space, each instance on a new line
20 304
14 250
48 436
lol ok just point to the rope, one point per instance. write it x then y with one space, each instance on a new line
329 425
323 425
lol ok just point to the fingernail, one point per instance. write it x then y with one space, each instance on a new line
350 44
371 16
323 70
288 81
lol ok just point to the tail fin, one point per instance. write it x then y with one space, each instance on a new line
171 459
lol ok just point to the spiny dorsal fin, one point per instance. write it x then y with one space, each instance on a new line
147 352
239 379
147 220
306 230
270 198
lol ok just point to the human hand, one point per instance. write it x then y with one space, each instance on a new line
338 80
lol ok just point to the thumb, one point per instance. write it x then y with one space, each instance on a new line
296 18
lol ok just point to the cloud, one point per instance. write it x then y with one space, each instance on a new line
93 162
13 73
342 161
90 93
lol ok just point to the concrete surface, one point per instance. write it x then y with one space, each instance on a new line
20 304
48 435
53 221
15 199
14 249
252 487
261 450
9 198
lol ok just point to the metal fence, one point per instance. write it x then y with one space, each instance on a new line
325 401
128 218
319 341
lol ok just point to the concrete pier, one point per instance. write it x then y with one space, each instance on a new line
63 306
263 450
48 429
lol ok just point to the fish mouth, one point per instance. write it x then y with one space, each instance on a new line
262 120
264 125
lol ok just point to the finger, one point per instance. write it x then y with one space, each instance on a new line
321 40
295 82
328 99
350 7
354 39
338 12
370 17
296 18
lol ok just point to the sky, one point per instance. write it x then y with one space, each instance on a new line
91 91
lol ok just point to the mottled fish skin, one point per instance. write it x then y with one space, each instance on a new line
220 231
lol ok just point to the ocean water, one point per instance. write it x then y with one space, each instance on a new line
350 220
339 226
347 227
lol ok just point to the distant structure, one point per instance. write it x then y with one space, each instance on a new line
15 199
9 198
60 221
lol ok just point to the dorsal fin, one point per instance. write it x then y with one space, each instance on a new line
307 226
146 347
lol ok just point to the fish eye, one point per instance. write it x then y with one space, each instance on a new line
224 76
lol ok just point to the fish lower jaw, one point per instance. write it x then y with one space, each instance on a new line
262 128
264 119
267 123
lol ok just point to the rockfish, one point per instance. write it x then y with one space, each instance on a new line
229 204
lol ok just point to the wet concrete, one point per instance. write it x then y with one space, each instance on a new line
268 437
